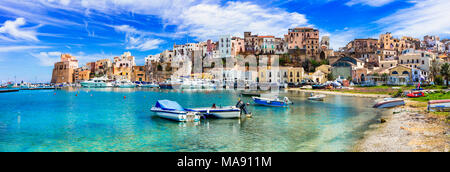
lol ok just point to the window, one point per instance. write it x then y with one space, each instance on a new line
394 73
405 73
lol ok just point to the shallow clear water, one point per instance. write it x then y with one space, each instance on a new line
102 120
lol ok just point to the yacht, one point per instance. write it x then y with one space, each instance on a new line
125 84
95 83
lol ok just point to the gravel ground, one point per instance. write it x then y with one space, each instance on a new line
408 129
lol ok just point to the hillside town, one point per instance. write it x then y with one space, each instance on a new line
301 57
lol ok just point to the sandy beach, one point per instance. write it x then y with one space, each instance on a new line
409 128
339 93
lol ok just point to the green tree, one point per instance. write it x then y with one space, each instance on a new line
434 69
445 72
330 76
438 80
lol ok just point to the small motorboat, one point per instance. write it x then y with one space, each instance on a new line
318 97
218 112
274 102
389 102
173 111
416 94
439 105
250 94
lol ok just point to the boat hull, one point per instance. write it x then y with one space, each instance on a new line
271 103
315 98
389 104
180 116
93 85
439 105
224 113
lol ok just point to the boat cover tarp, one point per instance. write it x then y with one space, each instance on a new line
169 105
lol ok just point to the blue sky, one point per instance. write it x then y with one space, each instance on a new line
33 33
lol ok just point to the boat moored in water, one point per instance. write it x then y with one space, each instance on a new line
95 83
219 112
389 102
318 97
274 102
125 84
173 111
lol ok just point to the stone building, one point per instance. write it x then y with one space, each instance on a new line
122 66
103 67
305 38
138 74
63 70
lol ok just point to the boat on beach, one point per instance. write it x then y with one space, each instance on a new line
173 111
389 102
439 105
318 97
416 94
273 102
219 112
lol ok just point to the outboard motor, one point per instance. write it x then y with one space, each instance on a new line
241 105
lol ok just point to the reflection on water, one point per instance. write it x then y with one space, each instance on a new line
119 119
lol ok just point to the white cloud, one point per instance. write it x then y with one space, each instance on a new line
136 39
12 30
144 44
206 21
4 49
373 3
47 58
425 17
341 38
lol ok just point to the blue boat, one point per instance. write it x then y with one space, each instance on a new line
173 111
275 102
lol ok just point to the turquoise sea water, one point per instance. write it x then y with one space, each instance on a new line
103 120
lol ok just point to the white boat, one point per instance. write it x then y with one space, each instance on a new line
95 83
318 97
125 84
150 85
389 102
439 105
173 111
220 112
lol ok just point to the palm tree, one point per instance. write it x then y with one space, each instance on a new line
445 71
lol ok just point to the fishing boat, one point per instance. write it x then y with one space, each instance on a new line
147 85
416 94
318 97
250 94
95 83
274 102
219 112
389 102
173 111
439 105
